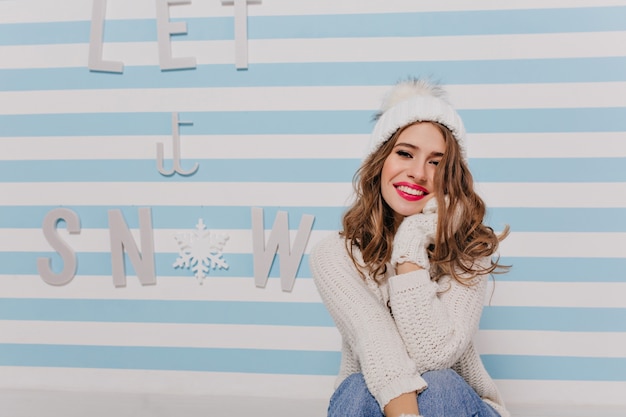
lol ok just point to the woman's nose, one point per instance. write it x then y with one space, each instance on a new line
417 171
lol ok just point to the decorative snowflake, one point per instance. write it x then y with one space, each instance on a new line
200 250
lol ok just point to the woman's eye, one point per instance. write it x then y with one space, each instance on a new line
435 163
404 154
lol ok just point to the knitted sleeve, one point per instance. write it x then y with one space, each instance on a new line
436 320
364 322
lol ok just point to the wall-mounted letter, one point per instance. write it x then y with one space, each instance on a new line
278 241
165 28
121 239
96 39
241 30
175 152
67 254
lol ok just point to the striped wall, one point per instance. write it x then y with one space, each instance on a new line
541 86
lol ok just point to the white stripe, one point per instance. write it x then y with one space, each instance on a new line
335 146
559 395
523 244
71 403
561 294
578 398
98 240
523 294
12 11
487 145
176 194
171 335
510 96
590 294
167 382
565 244
535 96
57 403
500 342
391 49
185 288
552 195
394 49
76 403
192 99
546 145
545 343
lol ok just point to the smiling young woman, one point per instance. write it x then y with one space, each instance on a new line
405 278
408 174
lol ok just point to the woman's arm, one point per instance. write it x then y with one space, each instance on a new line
437 324
364 323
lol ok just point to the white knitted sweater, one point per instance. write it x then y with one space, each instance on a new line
430 325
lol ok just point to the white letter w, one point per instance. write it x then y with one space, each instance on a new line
278 241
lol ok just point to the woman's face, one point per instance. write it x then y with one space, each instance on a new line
407 177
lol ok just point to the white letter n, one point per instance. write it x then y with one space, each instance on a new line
122 239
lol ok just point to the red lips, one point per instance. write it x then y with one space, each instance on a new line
410 192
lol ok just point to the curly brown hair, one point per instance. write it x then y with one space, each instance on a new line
461 239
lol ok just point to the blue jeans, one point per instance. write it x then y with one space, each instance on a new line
447 395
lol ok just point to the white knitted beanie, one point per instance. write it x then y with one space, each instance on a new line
411 101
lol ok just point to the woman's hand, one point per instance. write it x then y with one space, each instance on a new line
404 405
413 237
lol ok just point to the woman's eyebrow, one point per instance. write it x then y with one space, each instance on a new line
410 145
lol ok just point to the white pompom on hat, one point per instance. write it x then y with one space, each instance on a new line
415 100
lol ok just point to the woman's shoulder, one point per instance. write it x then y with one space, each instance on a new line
333 243
334 249
330 259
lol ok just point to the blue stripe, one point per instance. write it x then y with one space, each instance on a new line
563 319
463 23
558 368
567 319
528 219
549 170
315 74
607 119
545 120
532 219
563 170
285 361
156 311
210 170
172 359
169 217
239 265
564 270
